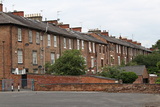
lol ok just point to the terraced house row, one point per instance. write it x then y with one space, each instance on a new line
27 44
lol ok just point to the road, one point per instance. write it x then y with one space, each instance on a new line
77 99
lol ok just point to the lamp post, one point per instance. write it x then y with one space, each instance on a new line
3 59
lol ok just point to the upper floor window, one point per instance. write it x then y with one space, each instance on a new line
99 48
64 42
93 47
19 34
70 44
20 56
103 49
78 47
30 36
55 41
90 50
49 40
37 38
82 42
117 48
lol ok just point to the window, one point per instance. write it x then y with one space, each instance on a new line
103 49
30 36
37 38
117 48
119 60
70 44
101 62
93 47
64 42
99 48
35 71
78 44
19 34
58 56
52 58
34 55
125 60
90 50
82 44
49 40
20 56
55 41
92 62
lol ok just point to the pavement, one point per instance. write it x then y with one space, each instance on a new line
77 99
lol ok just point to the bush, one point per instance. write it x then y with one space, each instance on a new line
128 77
158 81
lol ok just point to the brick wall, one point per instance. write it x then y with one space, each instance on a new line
50 79
120 88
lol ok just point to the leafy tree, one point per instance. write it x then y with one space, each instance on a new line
157 45
150 61
111 72
158 81
70 63
117 73
128 77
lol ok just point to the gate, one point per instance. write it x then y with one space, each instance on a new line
6 84
27 84
24 84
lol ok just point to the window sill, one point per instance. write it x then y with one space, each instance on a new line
35 64
20 63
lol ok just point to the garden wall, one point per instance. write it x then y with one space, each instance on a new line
107 87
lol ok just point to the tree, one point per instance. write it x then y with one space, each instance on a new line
111 72
70 63
117 73
157 45
150 61
128 77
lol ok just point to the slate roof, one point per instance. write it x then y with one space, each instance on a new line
87 37
138 69
9 18
122 42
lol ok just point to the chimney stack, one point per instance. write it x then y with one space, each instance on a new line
1 7
65 26
79 29
105 33
18 13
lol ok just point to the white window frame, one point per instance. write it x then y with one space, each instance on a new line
82 42
34 57
78 46
117 48
58 55
49 39
37 37
90 50
92 61
93 45
64 42
19 34
30 36
52 57
119 60
70 44
55 41
20 56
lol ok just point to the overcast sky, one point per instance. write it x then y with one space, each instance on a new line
135 19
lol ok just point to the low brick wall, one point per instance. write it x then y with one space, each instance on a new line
115 88
51 79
